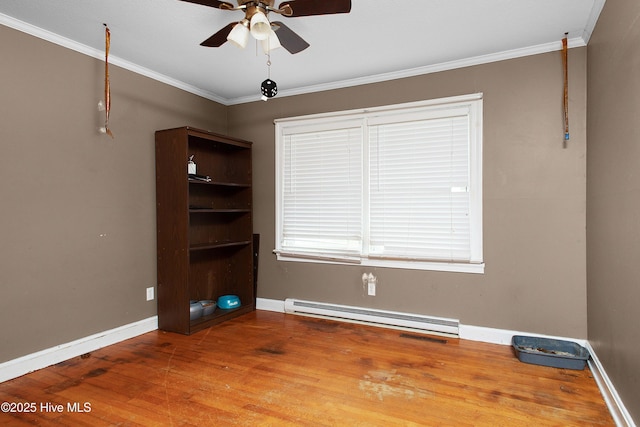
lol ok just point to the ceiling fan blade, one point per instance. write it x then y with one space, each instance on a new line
289 39
293 8
213 3
220 37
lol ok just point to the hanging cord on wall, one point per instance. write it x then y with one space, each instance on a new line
566 90
107 85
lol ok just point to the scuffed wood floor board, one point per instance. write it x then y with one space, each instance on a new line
272 369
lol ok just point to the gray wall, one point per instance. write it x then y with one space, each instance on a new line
613 197
534 201
77 212
78 209
79 241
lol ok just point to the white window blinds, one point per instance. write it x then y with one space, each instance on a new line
419 181
397 186
322 191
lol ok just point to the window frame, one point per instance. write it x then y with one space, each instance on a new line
474 103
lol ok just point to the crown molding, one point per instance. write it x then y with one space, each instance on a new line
428 69
593 19
374 78
99 54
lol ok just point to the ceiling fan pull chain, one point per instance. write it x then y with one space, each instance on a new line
268 88
268 65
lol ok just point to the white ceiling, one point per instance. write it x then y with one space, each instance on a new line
379 40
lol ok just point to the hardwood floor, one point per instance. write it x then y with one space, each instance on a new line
272 369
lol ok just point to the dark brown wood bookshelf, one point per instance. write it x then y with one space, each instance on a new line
204 229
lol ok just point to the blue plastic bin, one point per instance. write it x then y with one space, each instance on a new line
550 352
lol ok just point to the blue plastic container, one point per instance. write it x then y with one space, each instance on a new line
550 352
226 302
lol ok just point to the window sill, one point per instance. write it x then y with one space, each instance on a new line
475 268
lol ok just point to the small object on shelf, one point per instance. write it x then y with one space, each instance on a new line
550 352
228 301
208 306
191 166
195 309
204 178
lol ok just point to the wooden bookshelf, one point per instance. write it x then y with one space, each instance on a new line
204 228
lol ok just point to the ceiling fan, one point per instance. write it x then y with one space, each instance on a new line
271 34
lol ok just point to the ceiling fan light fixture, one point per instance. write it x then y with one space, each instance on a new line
239 34
260 26
271 42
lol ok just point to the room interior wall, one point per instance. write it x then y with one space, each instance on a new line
534 200
78 209
78 246
613 196
80 231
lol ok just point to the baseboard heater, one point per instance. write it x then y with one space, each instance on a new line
407 321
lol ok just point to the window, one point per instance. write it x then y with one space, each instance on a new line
396 186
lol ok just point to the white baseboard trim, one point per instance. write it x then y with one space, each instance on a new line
270 305
50 356
616 407
467 332
503 336
618 411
